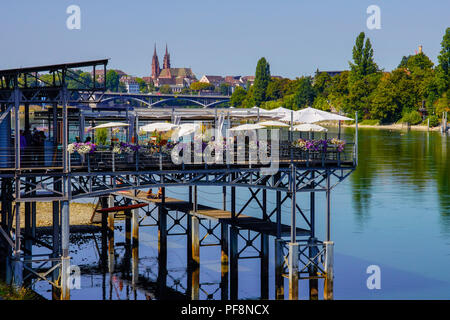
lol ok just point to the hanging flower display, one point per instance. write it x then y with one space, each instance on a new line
81 147
125 148
321 145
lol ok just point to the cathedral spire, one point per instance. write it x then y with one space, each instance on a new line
155 65
166 63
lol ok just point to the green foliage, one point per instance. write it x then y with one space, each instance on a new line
394 93
165 89
269 105
199 86
238 97
363 63
185 91
419 61
359 96
143 86
224 89
305 94
321 103
112 81
8 292
262 79
101 136
434 120
368 122
322 83
384 97
404 62
412 117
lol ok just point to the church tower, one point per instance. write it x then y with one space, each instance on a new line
155 65
166 64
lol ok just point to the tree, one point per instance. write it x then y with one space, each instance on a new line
262 79
305 94
419 62
322 83
363 63
143 86
359 96
238 97
443 69
404 62
274 89
394 93
224 89
112 81
165 89
338 90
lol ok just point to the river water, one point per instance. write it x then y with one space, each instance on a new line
392 212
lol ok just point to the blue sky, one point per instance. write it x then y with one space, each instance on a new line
218 37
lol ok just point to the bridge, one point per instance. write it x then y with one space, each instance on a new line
155 99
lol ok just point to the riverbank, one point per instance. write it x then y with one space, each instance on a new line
394 126
8 292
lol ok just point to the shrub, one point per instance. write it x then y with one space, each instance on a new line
434 120
368 122
101 135
412 118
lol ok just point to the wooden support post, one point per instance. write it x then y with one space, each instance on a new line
104 231
234 270
312 270
111 249
127 257
195 259
329 262
195 241
65 258
279 280
293 271
224 261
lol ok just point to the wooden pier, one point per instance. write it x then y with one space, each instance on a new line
59 176
241 221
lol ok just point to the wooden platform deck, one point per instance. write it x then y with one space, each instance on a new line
241 221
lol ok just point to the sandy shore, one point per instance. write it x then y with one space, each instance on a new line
394 126
80 214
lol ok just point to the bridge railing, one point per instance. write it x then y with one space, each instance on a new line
105 159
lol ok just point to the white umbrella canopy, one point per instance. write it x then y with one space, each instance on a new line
110 125
273 123
280 112
158 126
185 129
304 127
311 115
248 126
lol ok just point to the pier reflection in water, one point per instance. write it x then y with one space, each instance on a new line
196 258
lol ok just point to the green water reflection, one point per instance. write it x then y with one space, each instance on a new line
416 161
